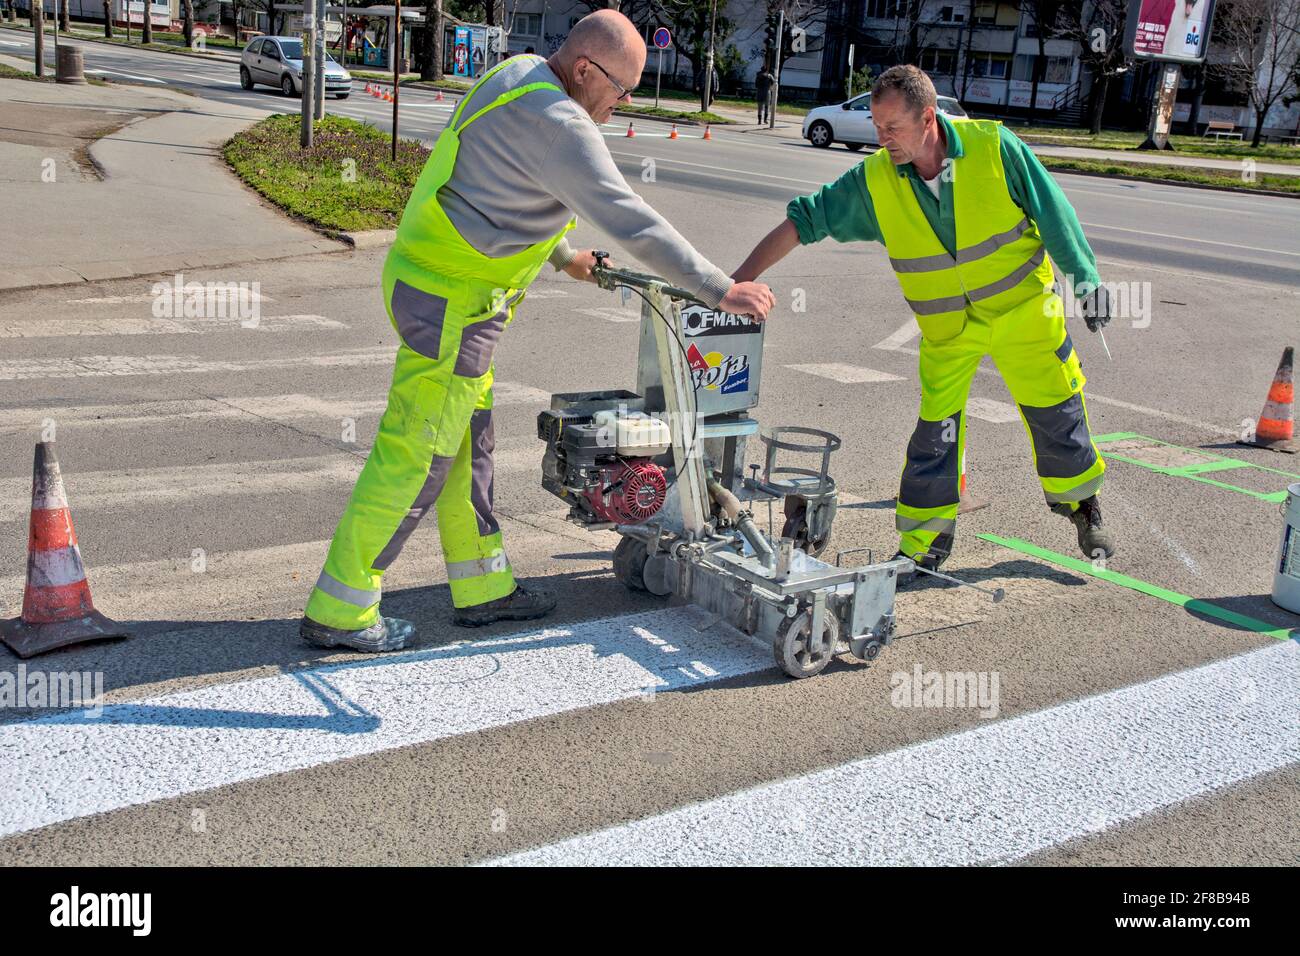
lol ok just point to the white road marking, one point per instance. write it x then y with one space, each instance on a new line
611 314
251 295
96 366
989 410
72 764
847 374
129 76
128 325
713 167
896 340
1147 233
993 794
126 488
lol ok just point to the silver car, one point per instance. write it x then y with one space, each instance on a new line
850 122
277 61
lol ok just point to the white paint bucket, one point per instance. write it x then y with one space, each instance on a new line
1286 576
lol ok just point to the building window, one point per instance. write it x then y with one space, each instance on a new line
993 66
938 62
949 15
527 24
986 14
882 9
1056 70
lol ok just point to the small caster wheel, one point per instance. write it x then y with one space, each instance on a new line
796 526
797 653
872 650
629 564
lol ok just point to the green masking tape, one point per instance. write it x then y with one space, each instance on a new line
1194 605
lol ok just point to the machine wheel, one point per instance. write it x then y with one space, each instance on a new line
629 563
245 78
820 134
796 526
792 649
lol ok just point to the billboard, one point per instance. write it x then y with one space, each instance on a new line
1173 30
462 55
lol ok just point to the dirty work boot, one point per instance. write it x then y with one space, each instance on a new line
521 604
907 578
386 634
1094 541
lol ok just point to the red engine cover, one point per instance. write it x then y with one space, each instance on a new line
632 491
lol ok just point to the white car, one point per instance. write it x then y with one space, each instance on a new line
850 122
277 61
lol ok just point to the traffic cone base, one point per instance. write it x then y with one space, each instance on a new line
630 131
1275 429
57 609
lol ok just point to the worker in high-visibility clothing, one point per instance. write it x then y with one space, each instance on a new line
968 216
520 156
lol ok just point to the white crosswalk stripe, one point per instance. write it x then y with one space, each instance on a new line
847 374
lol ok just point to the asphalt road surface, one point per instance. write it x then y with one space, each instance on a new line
206 464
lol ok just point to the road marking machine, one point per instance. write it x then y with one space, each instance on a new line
664 467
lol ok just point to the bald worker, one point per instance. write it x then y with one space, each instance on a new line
521 157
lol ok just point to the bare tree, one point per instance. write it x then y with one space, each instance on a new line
1260 40
146 30
1098 28
187 15
108 18
431 64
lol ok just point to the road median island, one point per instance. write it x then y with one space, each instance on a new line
346 182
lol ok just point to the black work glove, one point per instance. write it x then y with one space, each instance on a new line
1096 308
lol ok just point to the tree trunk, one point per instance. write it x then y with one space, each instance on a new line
1040 60
146 28
431 66
187 14
38 36
108 19
271 27
1101 84
65 15
1259 127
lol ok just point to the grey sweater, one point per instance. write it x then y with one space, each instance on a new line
526 167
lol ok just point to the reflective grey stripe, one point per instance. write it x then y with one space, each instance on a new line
952 303
923 263
348 595
1011 281
1063 353
1062 446
992 243
1085 490
477 567
482 442
902 523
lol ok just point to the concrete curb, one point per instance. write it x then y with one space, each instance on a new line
369 239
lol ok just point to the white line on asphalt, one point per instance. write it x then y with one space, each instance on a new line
989 410
1126 196
847 374
129 76
48 328
715 168
72 764
611 314
906 332
1210 242
1200 276
252 294
992 794
96 366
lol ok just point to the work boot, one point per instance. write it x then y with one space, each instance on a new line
521 604
907 578
386 634
1094 541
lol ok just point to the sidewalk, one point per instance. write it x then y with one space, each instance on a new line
155 196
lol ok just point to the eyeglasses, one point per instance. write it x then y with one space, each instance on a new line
622 90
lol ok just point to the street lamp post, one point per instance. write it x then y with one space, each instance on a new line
708 59
397 67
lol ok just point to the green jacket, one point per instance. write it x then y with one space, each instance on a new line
843 210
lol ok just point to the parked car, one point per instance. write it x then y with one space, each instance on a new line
850 122
277 61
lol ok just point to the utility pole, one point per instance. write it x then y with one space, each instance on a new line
708 60
776 71
308 70
397 67
318 63
38 28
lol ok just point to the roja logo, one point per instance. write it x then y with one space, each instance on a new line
718 372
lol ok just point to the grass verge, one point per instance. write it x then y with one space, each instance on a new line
320 185
1176 174
1183 145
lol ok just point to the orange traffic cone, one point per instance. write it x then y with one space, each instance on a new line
438 98
630 131
1276 426
708 134
673 134
57 609
966 502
